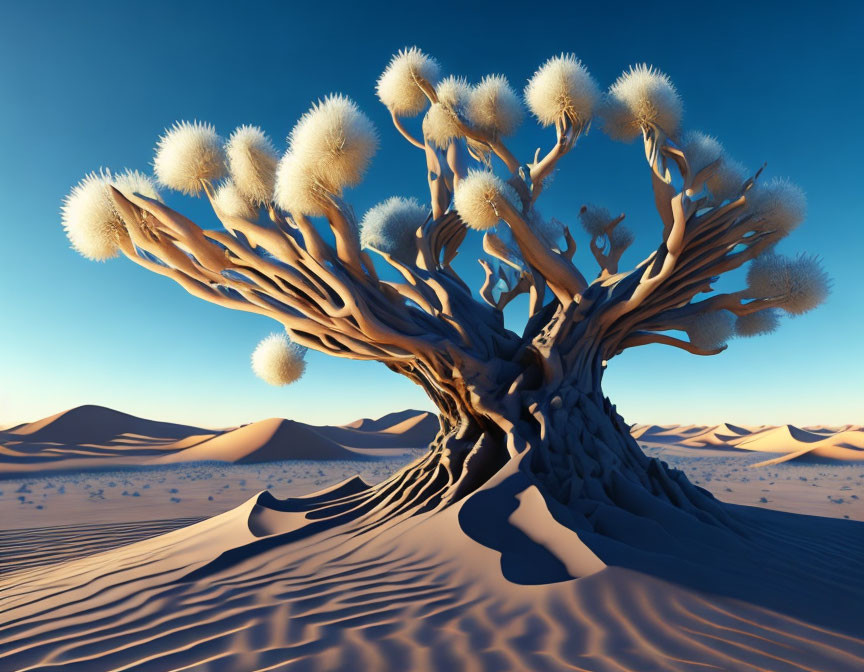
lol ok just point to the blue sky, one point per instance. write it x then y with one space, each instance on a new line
90 84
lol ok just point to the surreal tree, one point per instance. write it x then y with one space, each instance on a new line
531 400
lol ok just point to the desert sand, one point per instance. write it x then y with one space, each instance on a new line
157 564
845 444
94 437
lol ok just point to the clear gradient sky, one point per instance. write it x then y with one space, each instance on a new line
90 84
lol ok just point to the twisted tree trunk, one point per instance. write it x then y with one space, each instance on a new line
531 401
566 438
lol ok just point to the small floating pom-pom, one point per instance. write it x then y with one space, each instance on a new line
479 196
397 87
562 87
187 154
494 107
391 227
278 361
252 163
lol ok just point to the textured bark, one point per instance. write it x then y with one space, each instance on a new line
533 398
569 440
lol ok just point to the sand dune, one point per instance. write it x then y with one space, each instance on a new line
496 581
666 433
38 547
843 446
97 424
424 594
825 443
94 437
779 439
264 441
384 422
408 429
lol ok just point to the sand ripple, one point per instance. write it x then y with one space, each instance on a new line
397 601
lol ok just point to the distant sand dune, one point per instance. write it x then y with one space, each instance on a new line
384 422
406 429
93 437
843 446
264 441
826 443
95 424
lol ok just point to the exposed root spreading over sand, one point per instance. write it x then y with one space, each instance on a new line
497 582
423 594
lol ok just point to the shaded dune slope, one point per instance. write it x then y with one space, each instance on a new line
408 429
264 441
44 546
94 424
473 587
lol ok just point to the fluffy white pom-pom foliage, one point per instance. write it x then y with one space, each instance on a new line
440 125
231 202
726 182
479 196
397 87
800 283
780 203
252 163
640 97
494 107
278 361
335 142
760 322
711 330
90 220
134 182
296 188
391 227
701 150
188 153
561 87
89 216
